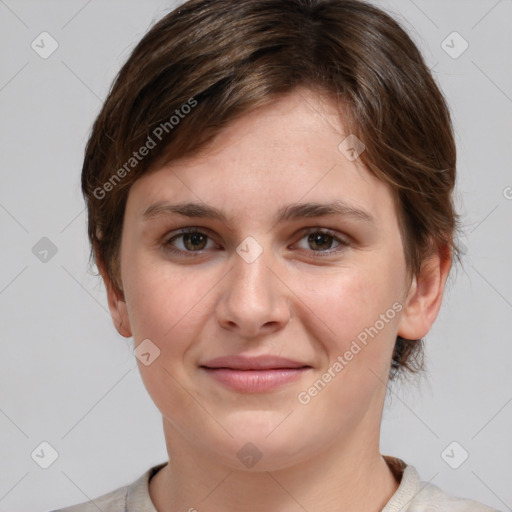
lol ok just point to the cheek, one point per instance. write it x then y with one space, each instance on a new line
357 311
358 314
171 306
163 302
165 306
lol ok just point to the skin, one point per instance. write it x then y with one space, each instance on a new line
288 302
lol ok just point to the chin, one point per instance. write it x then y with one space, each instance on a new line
256 446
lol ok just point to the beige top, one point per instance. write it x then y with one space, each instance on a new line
412 495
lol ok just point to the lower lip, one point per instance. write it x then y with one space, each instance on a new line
255 381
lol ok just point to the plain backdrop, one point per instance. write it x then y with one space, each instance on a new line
68 379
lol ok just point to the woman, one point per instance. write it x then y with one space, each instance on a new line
269 192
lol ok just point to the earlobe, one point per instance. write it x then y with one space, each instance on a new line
425 296
116 304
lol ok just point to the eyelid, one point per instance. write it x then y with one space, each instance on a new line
327 231
188 229
343 241
169 237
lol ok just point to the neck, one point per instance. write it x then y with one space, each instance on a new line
334 480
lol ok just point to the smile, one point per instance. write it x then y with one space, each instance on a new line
255 381
254 374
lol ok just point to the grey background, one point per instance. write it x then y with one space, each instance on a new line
67 377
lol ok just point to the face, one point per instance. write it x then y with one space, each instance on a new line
271 243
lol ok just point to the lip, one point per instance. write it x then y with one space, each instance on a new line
254 374
263 362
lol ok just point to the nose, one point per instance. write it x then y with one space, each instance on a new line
253 300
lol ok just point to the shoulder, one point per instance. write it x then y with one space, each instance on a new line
413 495
114 501
130 498
432 499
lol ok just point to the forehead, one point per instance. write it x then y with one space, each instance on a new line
293 149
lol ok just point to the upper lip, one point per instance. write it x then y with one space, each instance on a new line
265 362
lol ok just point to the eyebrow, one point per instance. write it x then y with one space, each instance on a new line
286 213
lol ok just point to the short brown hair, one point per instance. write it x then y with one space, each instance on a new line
210 61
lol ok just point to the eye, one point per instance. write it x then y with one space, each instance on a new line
189 240
321 241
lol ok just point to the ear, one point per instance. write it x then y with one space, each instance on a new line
116 303
425 295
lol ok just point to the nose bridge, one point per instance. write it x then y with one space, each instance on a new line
251 279
252 299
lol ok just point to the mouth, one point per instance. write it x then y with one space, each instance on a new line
254 374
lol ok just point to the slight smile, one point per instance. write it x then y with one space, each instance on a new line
254 374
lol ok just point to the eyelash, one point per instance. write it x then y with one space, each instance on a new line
303 233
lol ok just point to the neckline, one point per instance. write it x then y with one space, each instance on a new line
138 497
